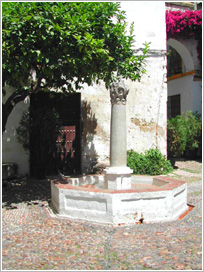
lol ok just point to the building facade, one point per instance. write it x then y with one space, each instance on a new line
184 67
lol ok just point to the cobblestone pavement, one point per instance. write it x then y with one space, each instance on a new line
32 240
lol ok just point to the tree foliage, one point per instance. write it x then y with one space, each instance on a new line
152 162
184 135
63 45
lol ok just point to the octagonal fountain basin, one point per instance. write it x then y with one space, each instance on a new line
150 199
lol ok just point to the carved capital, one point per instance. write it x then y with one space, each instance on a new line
118 92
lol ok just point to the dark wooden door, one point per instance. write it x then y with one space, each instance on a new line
65 157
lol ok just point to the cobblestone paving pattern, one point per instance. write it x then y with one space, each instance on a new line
32 240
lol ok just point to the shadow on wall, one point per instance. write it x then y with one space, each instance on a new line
8 138
13 152
89 124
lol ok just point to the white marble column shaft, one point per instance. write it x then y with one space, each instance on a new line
118 143
118 175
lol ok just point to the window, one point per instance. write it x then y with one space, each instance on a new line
174 106
174 62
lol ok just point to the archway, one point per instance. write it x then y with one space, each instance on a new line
183 52
180 79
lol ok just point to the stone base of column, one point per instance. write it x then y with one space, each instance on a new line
118 178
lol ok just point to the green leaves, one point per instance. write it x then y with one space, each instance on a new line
28 17
62 41
150 163
184 134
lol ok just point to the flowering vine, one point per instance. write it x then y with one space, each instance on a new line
188 22
185 24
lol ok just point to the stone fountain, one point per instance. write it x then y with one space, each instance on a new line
118 197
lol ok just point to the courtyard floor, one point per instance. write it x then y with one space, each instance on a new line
33 239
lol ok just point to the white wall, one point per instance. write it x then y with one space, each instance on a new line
146 101
146 106
12 151
197 96
191 46
182 86
149 21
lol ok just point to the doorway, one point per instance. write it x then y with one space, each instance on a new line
62 152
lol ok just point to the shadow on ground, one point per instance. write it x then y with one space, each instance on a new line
24 190
176 162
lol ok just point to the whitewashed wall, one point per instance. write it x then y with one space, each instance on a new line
149 22
197 96
12 151
146 101
191 46
182 86
190 92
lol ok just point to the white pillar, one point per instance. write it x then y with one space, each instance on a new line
118 140
118 175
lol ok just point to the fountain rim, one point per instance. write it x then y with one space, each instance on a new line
169 184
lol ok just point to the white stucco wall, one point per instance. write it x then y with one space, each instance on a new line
95 124
197 96
191 46
182 86
146 110
190 91
149 22
146 101
12 151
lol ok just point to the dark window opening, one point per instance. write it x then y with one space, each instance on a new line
174 62
174 106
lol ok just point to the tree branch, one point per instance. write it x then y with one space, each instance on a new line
8 106
16 97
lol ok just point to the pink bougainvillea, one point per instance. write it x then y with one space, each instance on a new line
185 24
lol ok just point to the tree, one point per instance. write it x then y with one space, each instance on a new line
63 45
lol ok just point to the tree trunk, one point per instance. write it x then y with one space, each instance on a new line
9 105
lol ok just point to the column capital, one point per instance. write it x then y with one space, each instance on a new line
118 92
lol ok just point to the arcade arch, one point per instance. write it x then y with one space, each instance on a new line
184 53
180 83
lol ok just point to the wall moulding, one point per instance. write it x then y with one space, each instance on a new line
180 75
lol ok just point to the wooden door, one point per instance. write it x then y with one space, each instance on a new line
66 156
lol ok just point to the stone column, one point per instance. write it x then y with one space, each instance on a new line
118 175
